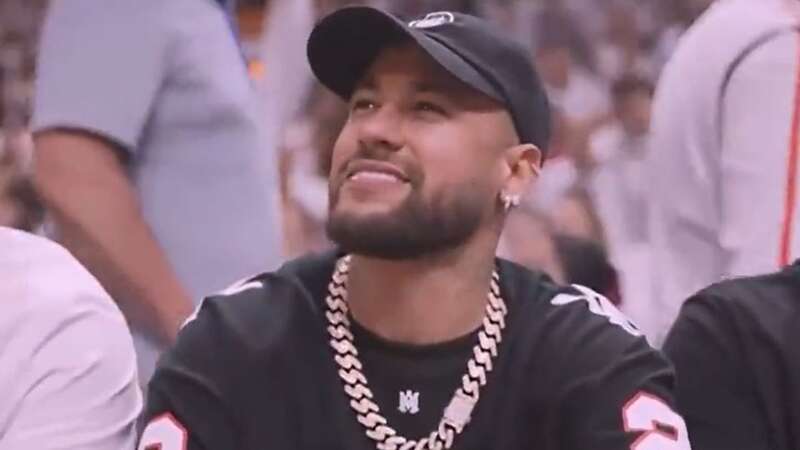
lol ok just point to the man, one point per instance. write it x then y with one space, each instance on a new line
149 155
617 153
723 169
735 348
67 367
413 335
618 187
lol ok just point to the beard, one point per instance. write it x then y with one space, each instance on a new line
414 229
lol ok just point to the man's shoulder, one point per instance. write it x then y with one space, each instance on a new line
767 300
261 311
43 277
578 332
51 307
573 315
749 15
21 248
755 22
266 327
756 291
306 277
582 350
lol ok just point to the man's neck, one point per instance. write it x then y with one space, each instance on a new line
422 301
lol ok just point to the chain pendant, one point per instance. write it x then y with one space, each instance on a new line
458 412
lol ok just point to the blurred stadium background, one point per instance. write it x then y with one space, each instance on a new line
599 60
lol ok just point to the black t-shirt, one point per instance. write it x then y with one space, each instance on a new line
736 346
254 370
414 383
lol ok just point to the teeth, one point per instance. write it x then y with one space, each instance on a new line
374 176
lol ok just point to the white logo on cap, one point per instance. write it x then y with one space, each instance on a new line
433 19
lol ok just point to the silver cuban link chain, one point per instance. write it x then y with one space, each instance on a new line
458 412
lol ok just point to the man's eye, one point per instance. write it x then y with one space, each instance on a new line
428 107
362 105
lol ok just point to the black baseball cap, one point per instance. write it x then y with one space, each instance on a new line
345 43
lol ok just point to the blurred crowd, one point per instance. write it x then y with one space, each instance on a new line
585 221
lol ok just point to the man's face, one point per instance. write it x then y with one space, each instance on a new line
420 162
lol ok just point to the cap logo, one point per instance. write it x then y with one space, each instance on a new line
433 19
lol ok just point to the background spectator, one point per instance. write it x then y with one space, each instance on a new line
528 240
589 187
723 170
622 48
618 187
584 262
618 151
151 158
567 65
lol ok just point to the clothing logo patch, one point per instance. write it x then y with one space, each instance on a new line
433 19
598 305
409 402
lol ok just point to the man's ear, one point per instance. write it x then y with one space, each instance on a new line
524 163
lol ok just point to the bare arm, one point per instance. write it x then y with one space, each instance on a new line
84 186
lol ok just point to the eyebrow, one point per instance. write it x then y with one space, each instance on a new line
367 83
435 87
424 87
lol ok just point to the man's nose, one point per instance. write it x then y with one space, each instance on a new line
382 129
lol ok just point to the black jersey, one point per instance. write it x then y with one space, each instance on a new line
736 346
254 370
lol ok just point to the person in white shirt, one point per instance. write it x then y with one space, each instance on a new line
67 366
725 150
617 185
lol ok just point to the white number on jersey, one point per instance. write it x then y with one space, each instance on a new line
598 305
662 428
164 433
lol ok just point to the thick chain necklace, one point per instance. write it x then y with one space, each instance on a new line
458 412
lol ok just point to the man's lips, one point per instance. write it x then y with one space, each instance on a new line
376 171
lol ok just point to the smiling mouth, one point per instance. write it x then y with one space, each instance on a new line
375 172
376 176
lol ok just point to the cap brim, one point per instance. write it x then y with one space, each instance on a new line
345 43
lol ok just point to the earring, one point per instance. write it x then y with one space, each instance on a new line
509 201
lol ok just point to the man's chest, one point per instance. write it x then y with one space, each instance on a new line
328 413
416 411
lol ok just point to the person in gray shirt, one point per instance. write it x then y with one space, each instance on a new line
150 156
